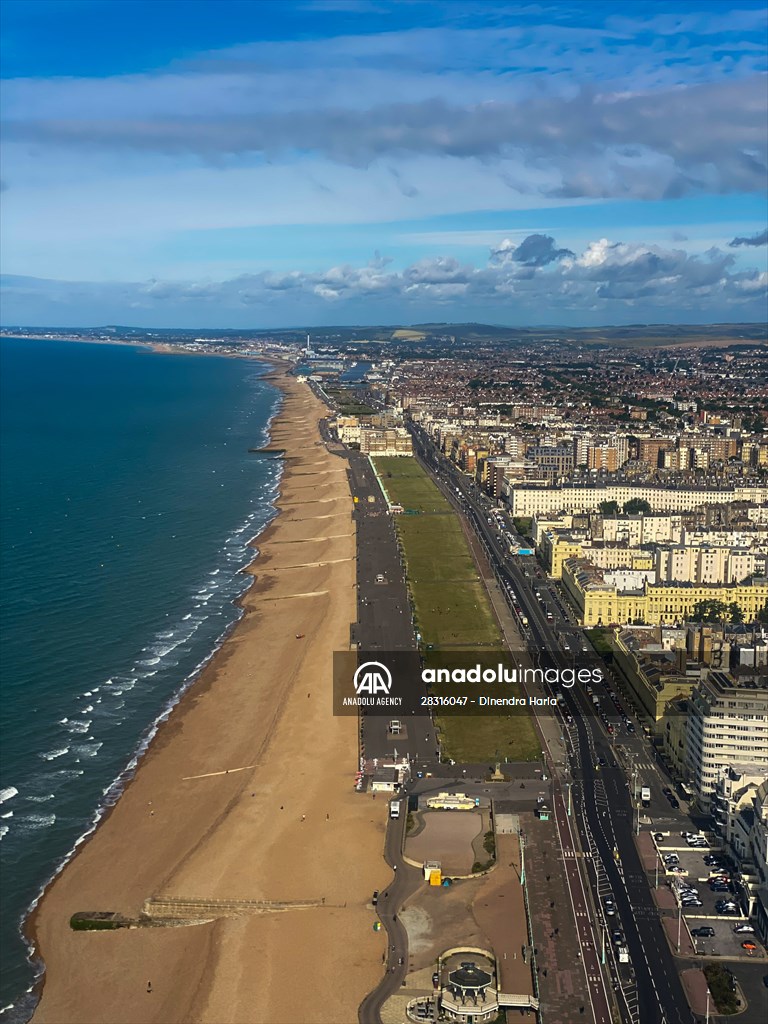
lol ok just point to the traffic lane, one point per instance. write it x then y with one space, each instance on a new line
606 854
582 914
659 988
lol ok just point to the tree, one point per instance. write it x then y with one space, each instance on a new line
710 611
737 615
609 508
635 506
762 615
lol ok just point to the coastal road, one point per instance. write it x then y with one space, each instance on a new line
603 810
405 881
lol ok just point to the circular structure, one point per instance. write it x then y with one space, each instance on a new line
469 977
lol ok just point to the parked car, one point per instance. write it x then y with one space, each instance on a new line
610 906
659 837
705 932
744 929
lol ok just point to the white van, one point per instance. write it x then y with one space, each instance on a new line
394 809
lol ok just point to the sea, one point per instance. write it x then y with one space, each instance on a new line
128 498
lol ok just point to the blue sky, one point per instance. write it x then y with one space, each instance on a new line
356 161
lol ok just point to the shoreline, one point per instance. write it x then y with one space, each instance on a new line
38 925
275 372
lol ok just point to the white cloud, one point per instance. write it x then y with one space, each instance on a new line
608 279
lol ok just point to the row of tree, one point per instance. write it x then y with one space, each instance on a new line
724 612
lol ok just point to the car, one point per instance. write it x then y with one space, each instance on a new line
726 910
602 762
674 802
375 897
749 946
691 901
610 906
744 929
659 837
667 791
617 936
705 932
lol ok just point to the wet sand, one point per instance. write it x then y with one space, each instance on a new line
274 815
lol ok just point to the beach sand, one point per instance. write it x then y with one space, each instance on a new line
288 827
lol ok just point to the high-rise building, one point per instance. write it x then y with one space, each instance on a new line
727 725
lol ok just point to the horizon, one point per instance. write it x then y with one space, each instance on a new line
394 325
360 161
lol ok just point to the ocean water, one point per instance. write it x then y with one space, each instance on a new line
128 498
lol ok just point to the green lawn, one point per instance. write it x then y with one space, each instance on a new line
452 609
407 484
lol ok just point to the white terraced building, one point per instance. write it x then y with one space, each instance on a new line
530 500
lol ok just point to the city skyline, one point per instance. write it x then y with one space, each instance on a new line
366 162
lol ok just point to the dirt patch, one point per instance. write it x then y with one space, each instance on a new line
447 836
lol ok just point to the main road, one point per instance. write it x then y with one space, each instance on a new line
603 806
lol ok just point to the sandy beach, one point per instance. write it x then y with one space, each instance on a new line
245 794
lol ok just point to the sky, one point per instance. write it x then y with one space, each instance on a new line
271 164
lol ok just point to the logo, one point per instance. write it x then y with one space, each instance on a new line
371 678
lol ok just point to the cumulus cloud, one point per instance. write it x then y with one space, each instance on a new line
607 279
761 238
534 251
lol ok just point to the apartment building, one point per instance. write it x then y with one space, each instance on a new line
386 441
727 725
528 499
599 598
